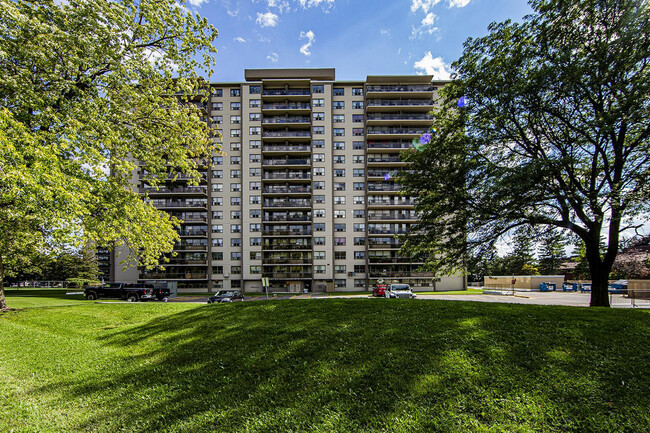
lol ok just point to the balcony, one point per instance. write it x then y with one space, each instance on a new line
298 175
304 232
386 118
394 88
286 218
286 261
168 204
288 275
293 107
174 276
278 120
286 135
187 262
295 162
184 246
193 233
388 187
287 246
281 189
281 148
395 132
380 146
391 217
385 202
286 92
387 105
380 161
192 219
187 190
384 231
287 203
389 260
386 243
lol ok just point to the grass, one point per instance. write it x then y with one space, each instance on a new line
341 365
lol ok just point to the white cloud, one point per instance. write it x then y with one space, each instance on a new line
385 32
428 20
273 57
264 39
268 19
233 12
432 66
310 39
239 39
197 3
425 5
426 26
314 3
458 3
281 5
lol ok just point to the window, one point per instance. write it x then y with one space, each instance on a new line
235 187
255 255
319 171
235 228
235 106
254 186
359 255
338 91
235 146
254 172
359 227
319 227
318 88
217 228
235 214
319 130
217 92
360 283
340 269
318 116
217 106
255 117
235 242
338 105
357 91
358 172
255 90
255 199
358 186
217 269
235 255
256 242
254 103
319 157
235 120
357 132
217 215
217 160
255 157
339 214
217 201
359 213
217 119
319 241
235 92
339 241
319 184
255 227
235 270
340 284
339 186
235 201
339 200
339 172
338 118
319 255
339 159
357 105
234 174
340 255
358 145
319 213
357 118
255 130
358 159
255 269
339 145
319 199
217 242
358 199
218 255
217 187
235 132
339 227
359 241
319 269
339 132
254 144
319 144
318 103
255 213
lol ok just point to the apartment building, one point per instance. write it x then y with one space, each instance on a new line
304 193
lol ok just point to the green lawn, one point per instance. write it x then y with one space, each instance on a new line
341 365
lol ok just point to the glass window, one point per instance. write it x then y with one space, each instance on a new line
235 255
217 242
359 213
318 88
255 269
217 106
235 119
339 199
318 116
339 269
360 255
255 157
339 132
217 119
255 130
235 106
319 171
217 255
319 255
255 199
319 130
318 144
235 160
217 187
319 227
358 145
340 284
255 213
338 105
217 228
319 241
319 199
358 159
339 186
358 199
235 132
255 255
235 146
339 227
254 172
254 186
339 159
235 92
254 144
356 118
360 227
235 174
357 132
235 270
357 105
339 172
339 241
318 103
254 103
338 118
319 185
319 157
358 172
338 91
217 160
217 214
235 201
319 213
235 187
319 269
357 91
255 90
339 145
256 242
339 214
254 117
235 214
235 228
217 92
340 255
235 242
358 186
255 227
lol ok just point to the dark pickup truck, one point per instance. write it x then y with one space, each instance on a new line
131 292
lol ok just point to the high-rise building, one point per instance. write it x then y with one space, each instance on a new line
304 193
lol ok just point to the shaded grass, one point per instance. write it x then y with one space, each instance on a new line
334 366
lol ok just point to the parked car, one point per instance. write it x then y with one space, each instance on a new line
131 292
399 291
379 290
226 296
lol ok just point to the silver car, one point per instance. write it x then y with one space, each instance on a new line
399 291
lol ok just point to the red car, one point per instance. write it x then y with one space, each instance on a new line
379 290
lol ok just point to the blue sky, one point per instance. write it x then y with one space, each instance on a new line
358 38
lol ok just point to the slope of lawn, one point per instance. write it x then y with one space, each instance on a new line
340 365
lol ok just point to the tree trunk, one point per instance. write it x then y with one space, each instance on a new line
599 278
3 300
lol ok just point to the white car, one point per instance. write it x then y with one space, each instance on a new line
399 291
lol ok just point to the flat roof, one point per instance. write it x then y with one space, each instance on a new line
325 74
385 79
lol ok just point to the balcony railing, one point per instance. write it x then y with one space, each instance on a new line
373 260
283 261
287 247
387 187
427 117
276 175
287 218
286 162
287 189
175 190
273 120
385 159
188 219
395 88
391 202
281 134
167 204
374 231
290 92
290 106
174 276
190 247
387 131
287 232
278 275
389 145
287 203
398 102
189 233
380 217
285 148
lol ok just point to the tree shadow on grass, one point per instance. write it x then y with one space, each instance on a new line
363 365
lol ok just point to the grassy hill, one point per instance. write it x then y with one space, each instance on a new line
355 365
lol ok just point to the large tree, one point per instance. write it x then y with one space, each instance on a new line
554 133
88 87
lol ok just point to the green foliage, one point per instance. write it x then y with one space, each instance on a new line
324 366
551 251
556 134
87 88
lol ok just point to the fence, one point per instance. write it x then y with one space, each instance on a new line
636 298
